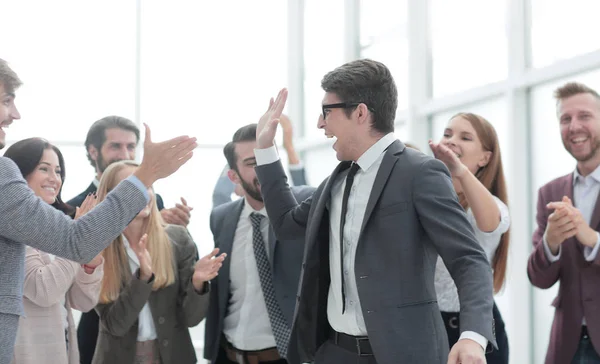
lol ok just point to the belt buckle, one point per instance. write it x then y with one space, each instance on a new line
358 350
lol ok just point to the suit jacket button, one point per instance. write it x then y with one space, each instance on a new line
165 343
161 320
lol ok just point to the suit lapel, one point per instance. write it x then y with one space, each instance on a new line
226 244
322 202
387 165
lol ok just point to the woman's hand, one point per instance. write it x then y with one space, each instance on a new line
207 268
144 258
88 204
450 159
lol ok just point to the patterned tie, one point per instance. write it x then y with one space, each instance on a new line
281 330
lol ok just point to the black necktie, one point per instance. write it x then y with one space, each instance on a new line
349 181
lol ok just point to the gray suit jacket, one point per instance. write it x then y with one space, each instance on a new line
285 264
174 309
27 220
412 215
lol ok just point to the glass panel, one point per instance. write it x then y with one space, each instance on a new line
468 50
393 52
549 161
383 37
552 40
323 52
76 69
205 76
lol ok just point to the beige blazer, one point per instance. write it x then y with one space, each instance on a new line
41 333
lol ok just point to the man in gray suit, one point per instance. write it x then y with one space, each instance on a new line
374 230
27 220
253 298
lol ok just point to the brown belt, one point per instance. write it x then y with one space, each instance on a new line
251 357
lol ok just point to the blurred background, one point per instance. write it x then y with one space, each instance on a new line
206 68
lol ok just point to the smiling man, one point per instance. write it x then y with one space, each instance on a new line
374 230
566 240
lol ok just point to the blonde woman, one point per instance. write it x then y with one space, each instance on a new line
153 287
53 285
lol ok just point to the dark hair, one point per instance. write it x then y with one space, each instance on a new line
8 78
244 134
369 82
27 154
96 136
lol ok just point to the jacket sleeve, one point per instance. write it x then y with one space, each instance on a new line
287 217
446 224
26 219
193 304
118 316
46 284
85 290
541 272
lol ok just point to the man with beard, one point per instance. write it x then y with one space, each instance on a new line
566 240
253 298
112 139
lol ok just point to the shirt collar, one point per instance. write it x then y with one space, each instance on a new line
595 175
247 210
370 156
96 182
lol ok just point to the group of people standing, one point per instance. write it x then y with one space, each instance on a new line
394 258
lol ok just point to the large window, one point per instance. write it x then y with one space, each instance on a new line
383 37
552 40
469 44
323 52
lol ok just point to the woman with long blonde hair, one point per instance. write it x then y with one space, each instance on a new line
153 287
471 151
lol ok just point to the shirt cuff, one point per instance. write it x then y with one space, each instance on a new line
266 156
589 253
296 167
479 339
137 183
551 257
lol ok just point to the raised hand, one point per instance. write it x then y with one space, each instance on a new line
88 204
207 268
450 159
267 125
163 159
178 215
141 251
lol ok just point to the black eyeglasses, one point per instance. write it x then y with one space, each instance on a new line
340 105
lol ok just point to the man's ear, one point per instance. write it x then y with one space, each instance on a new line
93 153
233 176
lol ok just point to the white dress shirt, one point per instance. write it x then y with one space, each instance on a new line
447 294
146 328
247 325
585 195
351 321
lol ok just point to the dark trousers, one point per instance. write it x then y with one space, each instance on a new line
586 354
500 356
222 359
87 335
329 353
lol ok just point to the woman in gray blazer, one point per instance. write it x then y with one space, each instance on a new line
153 288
